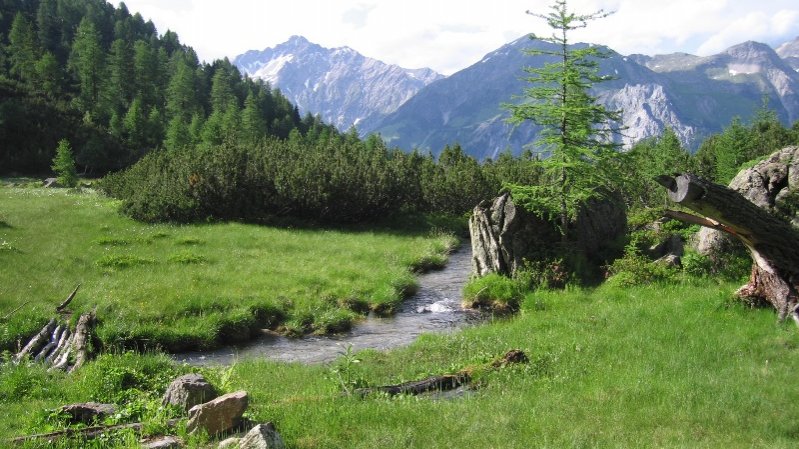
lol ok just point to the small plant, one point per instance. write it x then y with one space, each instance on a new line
345 372
187 258
6 246
111 241
122 261
190 241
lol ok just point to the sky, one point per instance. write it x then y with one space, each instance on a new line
449 35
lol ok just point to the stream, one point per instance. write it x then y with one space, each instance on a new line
436 307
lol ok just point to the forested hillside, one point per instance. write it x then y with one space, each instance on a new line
105 79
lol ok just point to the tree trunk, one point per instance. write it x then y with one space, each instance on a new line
773 243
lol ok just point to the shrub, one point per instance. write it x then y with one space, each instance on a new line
697 265
636 269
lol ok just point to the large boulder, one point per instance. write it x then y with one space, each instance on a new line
187 391
768 184
218 415
505 235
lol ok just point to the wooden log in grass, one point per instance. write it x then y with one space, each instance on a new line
86 433
446 382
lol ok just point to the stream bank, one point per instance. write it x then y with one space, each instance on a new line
436 307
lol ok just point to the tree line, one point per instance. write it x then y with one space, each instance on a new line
104 79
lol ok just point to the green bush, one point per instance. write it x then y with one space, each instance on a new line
697 265
636 269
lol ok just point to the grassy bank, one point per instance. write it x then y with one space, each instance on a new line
667 366
193 286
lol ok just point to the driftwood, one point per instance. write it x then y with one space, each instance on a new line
85 432
14 311
81 339
69 299
435 383
446 382
772 243
55 343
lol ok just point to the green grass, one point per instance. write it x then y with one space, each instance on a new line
668 366
193 286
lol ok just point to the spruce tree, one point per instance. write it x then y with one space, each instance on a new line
64 165
577 131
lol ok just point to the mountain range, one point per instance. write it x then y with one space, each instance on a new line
695 96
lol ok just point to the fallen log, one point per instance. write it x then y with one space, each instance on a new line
8 315
35 343
69 299
447 381
87 433
772 243
80 342
55 343
435 383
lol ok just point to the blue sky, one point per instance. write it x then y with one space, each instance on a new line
448 35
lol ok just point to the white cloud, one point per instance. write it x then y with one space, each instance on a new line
448 35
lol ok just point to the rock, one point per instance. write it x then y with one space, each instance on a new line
671 260
88 412
671 246
165 442
187 391
51 182
218 415
599 224
262 436
505 235
766 184
229 443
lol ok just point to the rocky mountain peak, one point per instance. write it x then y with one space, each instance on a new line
340 84
789 49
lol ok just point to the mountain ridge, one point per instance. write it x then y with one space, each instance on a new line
693 95
340 84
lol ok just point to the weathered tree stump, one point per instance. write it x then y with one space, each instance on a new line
772 243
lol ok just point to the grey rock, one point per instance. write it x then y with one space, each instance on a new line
505 235
88 412
262 436
165 442
187 391
672 245
671 260
230 443
218 415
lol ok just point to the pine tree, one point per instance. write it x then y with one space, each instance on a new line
64 165
577 131
87 62
48 77
23 49
49 28
120 87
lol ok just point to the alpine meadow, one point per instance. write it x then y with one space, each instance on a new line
558 246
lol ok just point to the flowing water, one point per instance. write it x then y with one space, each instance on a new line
436 307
